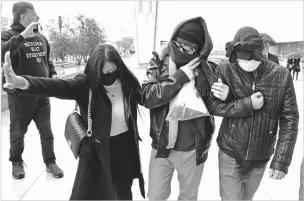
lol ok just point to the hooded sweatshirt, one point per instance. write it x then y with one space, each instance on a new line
29 56
182 133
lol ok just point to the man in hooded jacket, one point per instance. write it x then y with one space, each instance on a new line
29 52
262 96
179 145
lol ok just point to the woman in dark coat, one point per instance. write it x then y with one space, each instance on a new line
109 160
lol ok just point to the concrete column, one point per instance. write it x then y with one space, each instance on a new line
145 18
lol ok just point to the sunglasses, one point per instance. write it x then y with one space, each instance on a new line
185 48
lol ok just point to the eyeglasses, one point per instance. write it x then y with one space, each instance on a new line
185 48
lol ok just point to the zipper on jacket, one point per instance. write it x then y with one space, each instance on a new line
252 119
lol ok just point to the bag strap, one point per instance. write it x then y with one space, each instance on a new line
76 109
89 131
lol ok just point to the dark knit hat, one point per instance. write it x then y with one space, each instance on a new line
192 32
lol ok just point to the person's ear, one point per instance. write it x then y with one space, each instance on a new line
21 17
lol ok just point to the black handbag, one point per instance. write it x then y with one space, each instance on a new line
75 129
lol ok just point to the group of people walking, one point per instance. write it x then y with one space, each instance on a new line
293 65
255 96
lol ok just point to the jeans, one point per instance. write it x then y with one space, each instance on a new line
23 110
161 172
238 182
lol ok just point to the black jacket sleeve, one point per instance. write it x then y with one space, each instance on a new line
52 87
231 107
289 120
158 88
11 43
235 108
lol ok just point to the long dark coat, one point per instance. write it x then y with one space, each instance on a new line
93 180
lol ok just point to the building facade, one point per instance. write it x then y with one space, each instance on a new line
146 26
284 48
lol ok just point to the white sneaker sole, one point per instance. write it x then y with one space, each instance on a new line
49 171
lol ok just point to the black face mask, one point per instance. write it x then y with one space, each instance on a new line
110 78
179 57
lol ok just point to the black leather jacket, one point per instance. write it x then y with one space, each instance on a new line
158 90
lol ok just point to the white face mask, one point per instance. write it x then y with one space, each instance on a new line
248 66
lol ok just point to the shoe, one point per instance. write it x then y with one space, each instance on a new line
54 169
18 170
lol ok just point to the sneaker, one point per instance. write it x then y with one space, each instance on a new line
54 169
18 170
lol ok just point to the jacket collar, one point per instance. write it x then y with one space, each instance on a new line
266 67
17 26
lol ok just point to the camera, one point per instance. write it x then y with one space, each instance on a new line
38 29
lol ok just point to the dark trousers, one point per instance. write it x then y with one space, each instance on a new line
124 165
293 74
122 189
24 109
238 182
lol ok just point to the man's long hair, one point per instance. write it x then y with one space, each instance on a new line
101 54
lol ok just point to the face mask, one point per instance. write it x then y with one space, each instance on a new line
179 57
110 78
248 66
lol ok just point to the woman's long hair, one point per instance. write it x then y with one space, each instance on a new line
101 54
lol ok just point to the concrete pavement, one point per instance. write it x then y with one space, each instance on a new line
39 185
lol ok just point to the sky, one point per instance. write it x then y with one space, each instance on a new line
117 17
283 20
